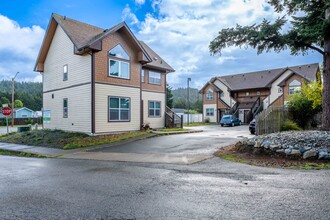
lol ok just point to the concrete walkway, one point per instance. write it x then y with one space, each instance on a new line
51 152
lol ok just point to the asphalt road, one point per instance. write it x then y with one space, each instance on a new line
205 142
32 188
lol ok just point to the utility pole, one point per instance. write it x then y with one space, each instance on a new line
12 99
188 80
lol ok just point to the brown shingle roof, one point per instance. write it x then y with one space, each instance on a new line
157 61
84 35
79 33
263 79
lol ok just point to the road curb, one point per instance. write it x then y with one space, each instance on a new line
175 132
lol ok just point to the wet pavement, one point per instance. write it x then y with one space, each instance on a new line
32 188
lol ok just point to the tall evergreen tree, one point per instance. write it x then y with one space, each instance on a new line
310 31
169 96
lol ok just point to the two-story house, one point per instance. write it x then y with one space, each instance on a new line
245 95
99 80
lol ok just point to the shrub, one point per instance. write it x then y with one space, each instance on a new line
207 120
290 126
301 110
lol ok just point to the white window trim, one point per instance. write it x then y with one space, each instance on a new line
154 108
119 69
208 113
119 108
209 96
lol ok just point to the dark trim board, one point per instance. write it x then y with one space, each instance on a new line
93 93
68 87
143 90
114 84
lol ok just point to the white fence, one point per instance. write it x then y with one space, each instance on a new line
192 117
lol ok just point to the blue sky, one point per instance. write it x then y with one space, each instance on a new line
179 31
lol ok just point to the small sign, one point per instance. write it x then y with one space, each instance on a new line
4 105
46 116
6 111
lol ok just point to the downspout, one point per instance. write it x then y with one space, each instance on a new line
93 93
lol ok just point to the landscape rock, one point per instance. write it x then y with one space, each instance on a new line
274 147
309 154
307 144
323 154
257 144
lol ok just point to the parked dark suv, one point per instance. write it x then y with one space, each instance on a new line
252 126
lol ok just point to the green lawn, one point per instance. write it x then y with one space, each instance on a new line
64 140
199 124
171 129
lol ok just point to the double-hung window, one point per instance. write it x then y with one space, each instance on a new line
209 112
155 78
119 63
154 109
65 108
294 86
209 96
119 109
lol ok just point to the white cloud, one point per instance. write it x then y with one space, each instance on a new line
140 2
128 15
180 31
19 49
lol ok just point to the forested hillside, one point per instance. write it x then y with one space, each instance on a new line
180 99
30 93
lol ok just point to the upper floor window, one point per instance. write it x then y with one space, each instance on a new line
155 78
119 52
142 75
294 86
65 72
247 93
209 96
119 63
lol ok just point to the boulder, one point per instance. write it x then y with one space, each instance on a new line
309 154
281 151
295 152
257 144
323 154
288 151
274 147
266 144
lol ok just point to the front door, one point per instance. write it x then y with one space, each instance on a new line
241 115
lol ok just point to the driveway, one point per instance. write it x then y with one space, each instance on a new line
206 142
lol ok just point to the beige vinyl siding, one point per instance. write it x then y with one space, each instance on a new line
102 93
274 93
61 52
79 109
155 122
226 94
212 118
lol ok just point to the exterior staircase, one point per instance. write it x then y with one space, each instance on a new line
172 120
